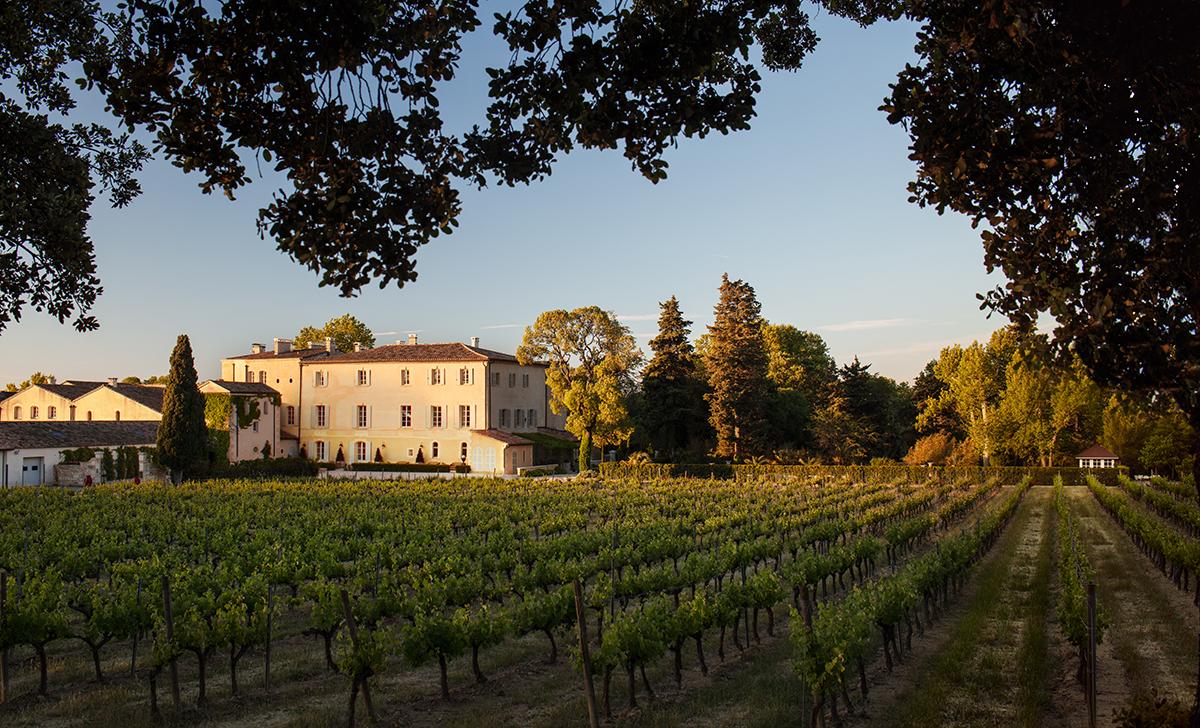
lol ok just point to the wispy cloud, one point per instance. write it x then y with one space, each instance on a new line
501 326
637 316
384 333
868 324
922 347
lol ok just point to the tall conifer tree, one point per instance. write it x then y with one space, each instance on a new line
672 412
182 434
737 372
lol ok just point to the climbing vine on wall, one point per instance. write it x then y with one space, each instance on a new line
219 406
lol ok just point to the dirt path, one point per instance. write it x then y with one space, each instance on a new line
1151 638
981 663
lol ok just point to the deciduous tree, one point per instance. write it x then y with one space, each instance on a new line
345 330
592 359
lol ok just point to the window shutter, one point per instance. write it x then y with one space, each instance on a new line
475 416
370 415
427 414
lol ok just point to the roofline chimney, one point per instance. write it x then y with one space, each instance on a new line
475 341
282 346
112 380
412 339
256 348
358 346
329 344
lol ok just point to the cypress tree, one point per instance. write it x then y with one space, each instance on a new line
673 415
736 361
182 434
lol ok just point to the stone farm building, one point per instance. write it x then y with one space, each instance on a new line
31 453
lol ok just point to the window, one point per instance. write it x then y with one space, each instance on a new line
525 381
533 418
318 379
17 413
404 377
406 415
89 414
249 375
464 415
360 452
434 450
435 416
33 413
291 415
435 376
364 377
72 413
464 376
320 449
322 420
495 379
504 418
117 415
51 413
520 418
512 379
262 377
361 419
254 426
462 452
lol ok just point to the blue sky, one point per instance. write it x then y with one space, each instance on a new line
809 206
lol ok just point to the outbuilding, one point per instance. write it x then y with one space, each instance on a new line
1097 456
29 451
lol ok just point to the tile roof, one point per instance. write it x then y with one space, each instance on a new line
72 390
16 435
5 395
293 354
1096 451
241 387
422 352
508 438
144 394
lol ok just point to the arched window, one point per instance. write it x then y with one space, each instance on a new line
463 452
17 412
89 415
117 415
434 451
33 413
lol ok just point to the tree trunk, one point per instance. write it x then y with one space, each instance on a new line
553 646
96 661
442 676
479 676
42 679
646 681
233 661
202 698
632 685
329 651
700 654
585 451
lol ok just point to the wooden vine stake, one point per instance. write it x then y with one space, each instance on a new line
169 616
4 652
267 647
359 681
589 688
1091 657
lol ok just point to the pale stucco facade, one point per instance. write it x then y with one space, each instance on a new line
249 442
84 401
120 403
433 403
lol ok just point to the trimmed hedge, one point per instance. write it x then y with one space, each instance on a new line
268 468
410 467
1008 475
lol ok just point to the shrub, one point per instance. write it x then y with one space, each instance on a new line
411 467
273 468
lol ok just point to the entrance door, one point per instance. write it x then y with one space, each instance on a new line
31 471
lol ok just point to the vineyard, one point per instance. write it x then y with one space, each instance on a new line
464 601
